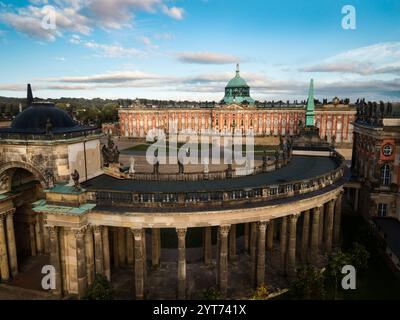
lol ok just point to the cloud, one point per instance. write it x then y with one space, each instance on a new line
173 12
82 16
381 58
206 58
109 77
29 25
112 51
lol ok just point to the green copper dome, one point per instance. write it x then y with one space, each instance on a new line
237 90
237 81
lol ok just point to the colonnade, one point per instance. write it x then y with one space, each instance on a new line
318 232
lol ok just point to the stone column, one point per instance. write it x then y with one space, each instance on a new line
144 254
270 235
32 239
121 246
291 252
283 242
139 272
223 260
232 243
81 261
155 247
260 273
321 227
253 250
38 235
4 269
106 252
207 246
305 234
115 247
329 226
246 237
314 235
337 220
98 252
12 249
181 232
55 259
89 249
130 259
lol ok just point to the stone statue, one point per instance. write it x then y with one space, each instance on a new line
156 168
4 183
75 178
206 168
181 167
49 176
265 158
110 152
132 166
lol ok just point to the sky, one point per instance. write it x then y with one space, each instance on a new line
188 49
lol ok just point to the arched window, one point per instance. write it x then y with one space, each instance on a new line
385 175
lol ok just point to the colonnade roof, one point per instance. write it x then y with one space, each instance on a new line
299 168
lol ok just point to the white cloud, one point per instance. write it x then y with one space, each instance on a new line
109 77
82 16
206 58
174 12
381 58
112 51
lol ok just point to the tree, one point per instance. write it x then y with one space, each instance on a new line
100 289
334 269
359 257
309 284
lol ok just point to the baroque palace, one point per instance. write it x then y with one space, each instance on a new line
69 200
237 110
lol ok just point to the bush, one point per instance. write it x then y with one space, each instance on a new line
309 284
260 294
100 289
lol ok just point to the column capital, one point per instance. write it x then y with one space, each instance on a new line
137 233
262 225
96 228
10 212
53 230
181 232
79 232
224 230
294 217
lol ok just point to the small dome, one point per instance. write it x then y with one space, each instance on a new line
237 81
34 119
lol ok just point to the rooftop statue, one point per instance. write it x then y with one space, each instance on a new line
75 178
110 152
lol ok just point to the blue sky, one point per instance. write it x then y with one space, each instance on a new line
187 49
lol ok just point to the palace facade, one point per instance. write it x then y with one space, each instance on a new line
237 111
376 171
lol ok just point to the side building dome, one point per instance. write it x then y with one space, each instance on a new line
237 90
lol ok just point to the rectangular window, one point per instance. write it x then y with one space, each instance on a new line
382 209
